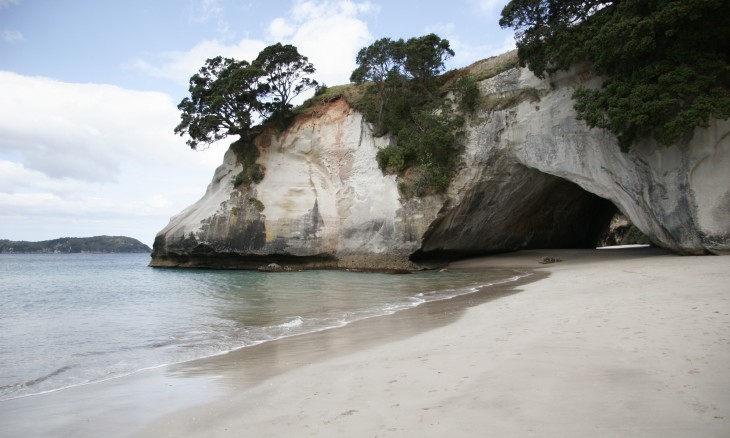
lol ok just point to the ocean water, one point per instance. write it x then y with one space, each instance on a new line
74 319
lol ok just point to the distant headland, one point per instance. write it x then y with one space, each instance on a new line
68 245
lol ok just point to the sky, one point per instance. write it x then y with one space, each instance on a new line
89 92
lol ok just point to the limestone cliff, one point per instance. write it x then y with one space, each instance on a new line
679 196
323 203
531 176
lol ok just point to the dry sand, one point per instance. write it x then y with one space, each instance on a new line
614 343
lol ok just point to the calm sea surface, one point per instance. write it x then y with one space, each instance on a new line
72 319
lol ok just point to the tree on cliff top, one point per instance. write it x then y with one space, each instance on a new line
380 63
285 73
390 64
425 57
666 62
419 58
227 96
401 99
224 95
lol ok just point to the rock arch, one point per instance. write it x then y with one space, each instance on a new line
521 209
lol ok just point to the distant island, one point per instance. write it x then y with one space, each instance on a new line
68 245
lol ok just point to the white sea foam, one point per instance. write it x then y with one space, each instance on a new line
296 322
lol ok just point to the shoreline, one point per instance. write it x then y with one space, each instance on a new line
607 342
490 288
144 396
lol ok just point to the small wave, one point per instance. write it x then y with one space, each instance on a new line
296 322
90 353
417 299
33 382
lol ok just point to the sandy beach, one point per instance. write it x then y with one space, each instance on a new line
605 343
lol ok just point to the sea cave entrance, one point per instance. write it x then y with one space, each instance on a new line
522 208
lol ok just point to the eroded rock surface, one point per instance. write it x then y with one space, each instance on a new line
324 203
532 177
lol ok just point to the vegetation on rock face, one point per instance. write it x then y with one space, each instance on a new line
97 244
397 85
402 72
666 62
352 93
256 203
427 145
491 67
227 96
403 98
252 172
467 93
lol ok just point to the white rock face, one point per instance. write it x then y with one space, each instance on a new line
325 201
505 195
679 196
188 222
329 161
532 176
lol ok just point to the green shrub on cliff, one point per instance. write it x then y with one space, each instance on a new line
401 73
403 98
467 93
246 154
352 93
666 62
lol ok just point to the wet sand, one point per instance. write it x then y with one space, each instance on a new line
627 342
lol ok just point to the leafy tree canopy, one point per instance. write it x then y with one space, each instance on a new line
379 61
665 61
227 96
390 64
425 56
224 95
420 58
285 73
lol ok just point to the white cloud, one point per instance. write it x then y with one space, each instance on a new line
16 178
158 202
489 6
7 3
205 10
81 131
180 66
465 53
280 29
329 33
304 10
11 36
96 153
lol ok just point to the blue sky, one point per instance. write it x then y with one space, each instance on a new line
90 90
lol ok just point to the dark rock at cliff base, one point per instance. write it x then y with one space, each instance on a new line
274 267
